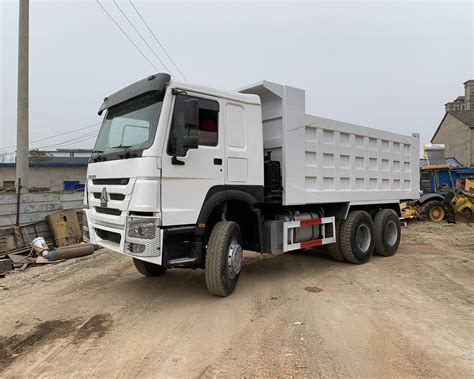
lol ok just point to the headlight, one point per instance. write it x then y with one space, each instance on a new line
85 227
140 228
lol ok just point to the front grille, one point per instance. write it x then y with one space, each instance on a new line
108 236
111 181
108 211
113 196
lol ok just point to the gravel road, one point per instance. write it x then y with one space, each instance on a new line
293 315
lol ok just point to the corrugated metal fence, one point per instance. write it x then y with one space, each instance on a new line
35 207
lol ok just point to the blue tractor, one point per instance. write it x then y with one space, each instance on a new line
436 182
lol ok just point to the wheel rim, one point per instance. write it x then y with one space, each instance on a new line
234 258
437 213
391 233
363 238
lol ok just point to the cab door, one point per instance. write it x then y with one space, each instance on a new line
189 173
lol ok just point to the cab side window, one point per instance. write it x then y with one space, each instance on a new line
208 131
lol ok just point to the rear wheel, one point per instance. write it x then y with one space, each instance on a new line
356 237
434 211
335 251
224 257
148 269
387 232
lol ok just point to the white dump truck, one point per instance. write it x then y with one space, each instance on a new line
187 176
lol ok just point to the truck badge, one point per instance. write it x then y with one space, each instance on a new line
104 198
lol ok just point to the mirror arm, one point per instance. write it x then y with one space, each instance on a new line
176 161
176 91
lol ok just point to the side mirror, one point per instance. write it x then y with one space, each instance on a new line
190 142
191 114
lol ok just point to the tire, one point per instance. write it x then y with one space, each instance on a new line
387 232
335 251
148 269
356 237
433 210
223 258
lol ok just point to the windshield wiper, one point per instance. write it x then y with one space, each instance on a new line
128 153
99 157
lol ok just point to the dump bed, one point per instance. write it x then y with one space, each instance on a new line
328 161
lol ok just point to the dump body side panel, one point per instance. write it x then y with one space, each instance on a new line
328 161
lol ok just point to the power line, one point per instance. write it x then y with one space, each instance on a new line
72 140
156 39
83 138
126 35
143 39
57 135
10 129
62 144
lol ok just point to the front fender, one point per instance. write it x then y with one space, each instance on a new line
430 196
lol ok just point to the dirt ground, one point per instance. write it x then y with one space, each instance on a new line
293 315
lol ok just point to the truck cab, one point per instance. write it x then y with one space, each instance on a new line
164 150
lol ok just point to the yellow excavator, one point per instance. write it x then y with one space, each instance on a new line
463 205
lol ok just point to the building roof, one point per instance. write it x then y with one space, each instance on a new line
69 159
65 150
45 164
466 117
453 162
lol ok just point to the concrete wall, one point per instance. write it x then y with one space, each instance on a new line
52 177
457 137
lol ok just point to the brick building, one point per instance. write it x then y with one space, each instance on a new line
456 129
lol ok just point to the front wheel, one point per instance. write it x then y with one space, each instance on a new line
335 251
433 210
147 268
224 257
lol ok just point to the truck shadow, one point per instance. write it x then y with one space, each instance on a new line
258 270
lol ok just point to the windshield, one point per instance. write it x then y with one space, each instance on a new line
128 128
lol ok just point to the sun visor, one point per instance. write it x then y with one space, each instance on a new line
156 82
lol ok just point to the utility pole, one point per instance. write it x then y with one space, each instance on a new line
22 145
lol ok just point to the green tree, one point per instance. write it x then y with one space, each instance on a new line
40 156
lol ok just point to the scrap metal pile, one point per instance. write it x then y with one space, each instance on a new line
22 246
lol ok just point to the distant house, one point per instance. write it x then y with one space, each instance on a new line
58 155
66 170
456 129
70 155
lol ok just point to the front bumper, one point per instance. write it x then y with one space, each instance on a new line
117 238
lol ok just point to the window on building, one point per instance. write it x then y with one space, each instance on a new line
71 154
208 124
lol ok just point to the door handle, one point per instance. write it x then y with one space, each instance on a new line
218 161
